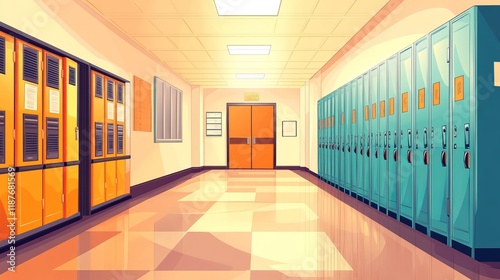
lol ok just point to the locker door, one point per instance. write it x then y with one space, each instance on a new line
422 146
331 164
406 136
97 135
111 180
326 104
354 136
348 136
120 176
374 139
28 148
440 119
383 157
120 119
366 138
70 138
320 167
461 190
341 165
6 127
53 138
110 116
359 149
392 136
332 138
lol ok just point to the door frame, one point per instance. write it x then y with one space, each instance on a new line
227 128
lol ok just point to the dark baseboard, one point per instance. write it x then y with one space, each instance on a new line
148 186
38 233
218 167
110 203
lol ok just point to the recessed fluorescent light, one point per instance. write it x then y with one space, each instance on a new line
233 50
247 7
250 76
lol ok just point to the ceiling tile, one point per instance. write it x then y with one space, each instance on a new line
290 26
367 6
299 71
310 43
284 43
170 55
302 55
201 76
179 64
136 26
195 7
170 26
302 76
321 26
251 65
157 43
323 56
273 56
267 77
315 65
153 6
349 26
297 7
335 43
297 64
329 7
197 55
111 7
204 64
187 43
237 26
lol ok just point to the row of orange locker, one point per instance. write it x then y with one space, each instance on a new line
38 136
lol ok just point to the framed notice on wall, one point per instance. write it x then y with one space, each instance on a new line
213 124
289 129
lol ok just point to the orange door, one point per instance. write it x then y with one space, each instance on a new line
263 137
240 133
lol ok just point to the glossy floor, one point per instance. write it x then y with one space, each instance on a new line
243 225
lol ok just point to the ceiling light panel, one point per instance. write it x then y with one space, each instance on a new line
247 7
249 50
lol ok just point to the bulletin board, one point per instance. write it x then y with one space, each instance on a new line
142 105
214 124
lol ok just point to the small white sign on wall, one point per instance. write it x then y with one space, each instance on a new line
497 74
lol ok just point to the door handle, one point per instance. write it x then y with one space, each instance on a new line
254 141
76 133
443 158
409 156
426 157
395 155
467 135
385 154
467 160
443 130
248 141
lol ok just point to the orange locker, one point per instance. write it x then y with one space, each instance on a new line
28 147
71 154
52 188
110 115
6 129
121 178
97 171
120 139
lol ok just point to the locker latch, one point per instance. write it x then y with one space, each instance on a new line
43 203
443 129
385 139
62 198
395 139
416 138
448 206
467 135
76 133
455 131
425 138
409 139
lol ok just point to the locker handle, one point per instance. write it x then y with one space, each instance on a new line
385 139
467 135
443 158
355 149
348 148
409 139
376 153
361 151
409 156
76 133
426 157
395 155
425 138
443 129
467 160
368 152
385 154
395 139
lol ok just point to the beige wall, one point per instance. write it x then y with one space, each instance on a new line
287 108
68 26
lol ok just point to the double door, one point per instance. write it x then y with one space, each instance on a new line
251 136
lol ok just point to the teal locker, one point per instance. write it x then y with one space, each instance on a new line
348 137
383 151
329 161
333 135
405 170
440 122
392 136
359 140
422 132
354 137
365 150
334 139
373 152
341 166
320 138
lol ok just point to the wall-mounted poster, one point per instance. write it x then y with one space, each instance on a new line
214 124
289 129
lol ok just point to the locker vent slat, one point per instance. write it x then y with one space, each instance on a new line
52 140
2 55
111 138
52 72
110 90
98 86
98 139
119 132
120 93
30 137
30 65
72 76
2 136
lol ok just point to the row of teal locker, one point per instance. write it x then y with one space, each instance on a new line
408 138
